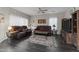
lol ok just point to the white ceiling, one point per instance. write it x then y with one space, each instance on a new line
35 10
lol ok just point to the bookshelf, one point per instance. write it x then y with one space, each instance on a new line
70 29
67 30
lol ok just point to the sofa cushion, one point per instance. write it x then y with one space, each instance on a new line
41 32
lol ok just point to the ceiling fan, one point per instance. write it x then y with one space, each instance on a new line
40 10
44 11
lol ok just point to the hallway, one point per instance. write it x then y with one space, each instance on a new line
25 46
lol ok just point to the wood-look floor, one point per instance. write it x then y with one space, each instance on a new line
58 46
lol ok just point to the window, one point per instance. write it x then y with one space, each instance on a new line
17 21
53 21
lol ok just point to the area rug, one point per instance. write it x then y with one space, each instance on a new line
42 40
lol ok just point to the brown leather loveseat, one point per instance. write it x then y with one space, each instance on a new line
46 30
18 32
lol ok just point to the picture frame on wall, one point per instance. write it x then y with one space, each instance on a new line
1 18
41 21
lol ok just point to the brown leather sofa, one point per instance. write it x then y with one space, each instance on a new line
46 30
19 32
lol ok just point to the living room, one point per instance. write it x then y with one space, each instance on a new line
11 15
27 19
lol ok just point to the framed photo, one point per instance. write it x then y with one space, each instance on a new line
1 18
41 21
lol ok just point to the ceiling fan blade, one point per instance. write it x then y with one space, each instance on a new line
43 9
43 12
39 9
49 12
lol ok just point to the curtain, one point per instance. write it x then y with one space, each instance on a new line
17 21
